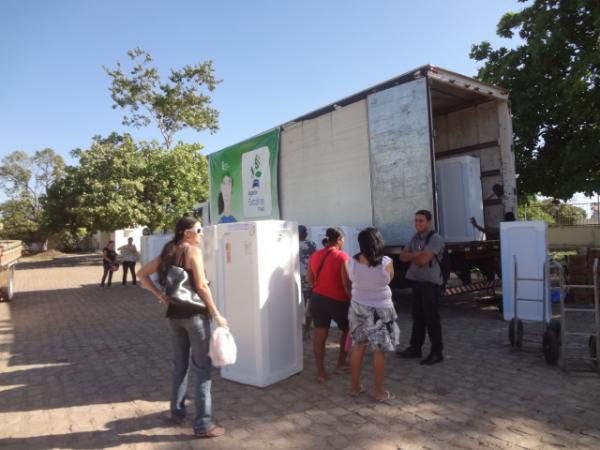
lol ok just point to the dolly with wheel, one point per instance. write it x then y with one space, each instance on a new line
550 327
567 333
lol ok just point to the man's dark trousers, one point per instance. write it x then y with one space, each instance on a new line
129 265
425 316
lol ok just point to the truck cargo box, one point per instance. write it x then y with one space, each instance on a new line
370 158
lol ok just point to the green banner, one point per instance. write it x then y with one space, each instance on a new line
243 180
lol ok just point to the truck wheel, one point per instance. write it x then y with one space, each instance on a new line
593 350
515 333
551 346
11 285
8 290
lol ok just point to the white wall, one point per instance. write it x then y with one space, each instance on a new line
121 236
574 237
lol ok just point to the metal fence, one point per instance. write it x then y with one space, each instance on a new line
565 214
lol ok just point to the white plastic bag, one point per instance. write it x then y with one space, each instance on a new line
223 350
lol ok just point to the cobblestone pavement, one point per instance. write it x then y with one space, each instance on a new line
84 367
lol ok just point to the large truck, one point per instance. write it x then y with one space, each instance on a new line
10 252
372 159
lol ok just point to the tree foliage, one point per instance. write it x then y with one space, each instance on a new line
25 180
554 80
19 220
120 183
102 192
172 105
552 211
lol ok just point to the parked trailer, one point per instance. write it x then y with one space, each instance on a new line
371 158
10 252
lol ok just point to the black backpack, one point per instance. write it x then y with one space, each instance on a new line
444 263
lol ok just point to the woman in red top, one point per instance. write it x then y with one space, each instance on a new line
329 300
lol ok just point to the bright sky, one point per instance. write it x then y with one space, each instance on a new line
277 59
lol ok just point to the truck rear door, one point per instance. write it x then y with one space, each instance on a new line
401 152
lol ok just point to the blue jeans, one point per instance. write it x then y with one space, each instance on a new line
192 336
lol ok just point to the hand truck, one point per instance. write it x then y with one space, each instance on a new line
550 327
594 339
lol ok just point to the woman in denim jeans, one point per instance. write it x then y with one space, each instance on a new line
190 330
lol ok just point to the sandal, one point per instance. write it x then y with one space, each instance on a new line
212 432
387 397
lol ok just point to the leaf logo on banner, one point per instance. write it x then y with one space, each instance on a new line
256 173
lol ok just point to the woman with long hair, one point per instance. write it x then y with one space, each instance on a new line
329 300
109 259
372 315
190 330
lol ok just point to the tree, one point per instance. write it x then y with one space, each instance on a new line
19 220
174 105
177 180
121 183
102 192
563 213
551 210
554 80
25 180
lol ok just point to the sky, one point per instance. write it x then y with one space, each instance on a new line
277 60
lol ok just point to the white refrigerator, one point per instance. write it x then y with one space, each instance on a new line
261 299
527 243
210 253
151 246
460 197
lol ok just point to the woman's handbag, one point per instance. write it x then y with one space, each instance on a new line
114 267
178 287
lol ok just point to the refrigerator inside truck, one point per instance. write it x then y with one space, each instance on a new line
459 198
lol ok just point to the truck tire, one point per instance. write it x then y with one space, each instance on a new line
8 291
515 333
551 346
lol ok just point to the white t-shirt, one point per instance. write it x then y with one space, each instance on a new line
370 285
